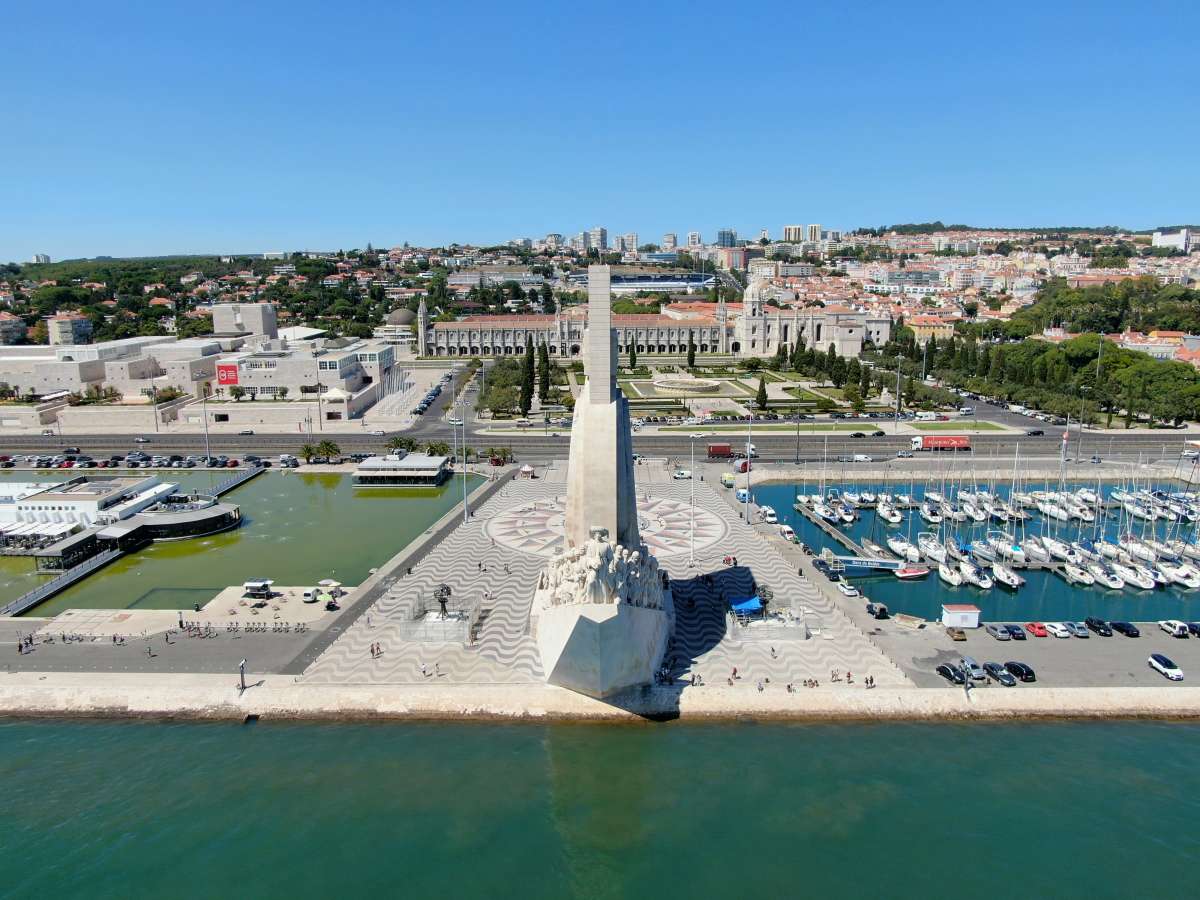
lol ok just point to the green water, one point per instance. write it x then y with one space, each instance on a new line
296 528
116 810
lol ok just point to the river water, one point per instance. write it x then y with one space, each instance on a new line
140 809
296 528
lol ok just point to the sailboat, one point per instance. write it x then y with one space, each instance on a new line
930 514
931 547
1007 547
1132 576
903 548
972 574
1076 574
1105 576
888 513
1006 576
949 574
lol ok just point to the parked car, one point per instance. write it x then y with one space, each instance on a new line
1194 628
1165 667
1037 629
999 632
1058 630
952 674
847 589
972 668
1000 674
955 634
1126 628
1016 632
1020 671
682 475
1098 625
1174 627
1077 629
378 432
877 610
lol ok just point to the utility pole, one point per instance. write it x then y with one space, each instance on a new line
897 419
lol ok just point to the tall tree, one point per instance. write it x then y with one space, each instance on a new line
527 377
691 352
548 306
760 399
632 356
543 372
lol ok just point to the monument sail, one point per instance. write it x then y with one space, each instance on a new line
602 613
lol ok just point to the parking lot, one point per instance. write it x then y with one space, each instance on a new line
1095 661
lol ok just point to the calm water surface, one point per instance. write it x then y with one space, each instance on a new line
1044 597
296 528
114 810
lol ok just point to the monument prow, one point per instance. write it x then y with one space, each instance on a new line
602 613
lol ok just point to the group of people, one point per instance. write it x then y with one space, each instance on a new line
376 650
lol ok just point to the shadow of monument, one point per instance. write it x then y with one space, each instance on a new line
701 608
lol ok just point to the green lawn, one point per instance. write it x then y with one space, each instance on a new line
960 425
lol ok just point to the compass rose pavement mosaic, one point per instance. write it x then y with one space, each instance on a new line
665 524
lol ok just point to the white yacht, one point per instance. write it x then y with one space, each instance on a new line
1035 549
1060 549
1132 576
949 574
889 513
903 548
931 547
930 514
1006 576
1105 576
1076 575
972 574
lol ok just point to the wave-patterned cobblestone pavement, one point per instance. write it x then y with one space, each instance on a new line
503 580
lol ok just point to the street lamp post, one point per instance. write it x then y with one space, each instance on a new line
242 676
692 485
1083 389
204 415
463 418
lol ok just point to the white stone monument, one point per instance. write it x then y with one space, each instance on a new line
600 615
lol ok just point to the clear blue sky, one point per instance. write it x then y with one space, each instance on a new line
157 128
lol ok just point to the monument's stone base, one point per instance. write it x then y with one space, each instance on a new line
601 618
600 649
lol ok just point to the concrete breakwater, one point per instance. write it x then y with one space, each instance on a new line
281 697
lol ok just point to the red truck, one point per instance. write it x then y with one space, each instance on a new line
720 451
941 442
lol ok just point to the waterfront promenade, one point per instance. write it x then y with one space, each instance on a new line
365 662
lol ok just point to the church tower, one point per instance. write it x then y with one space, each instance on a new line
422 329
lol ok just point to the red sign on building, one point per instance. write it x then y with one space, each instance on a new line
227 373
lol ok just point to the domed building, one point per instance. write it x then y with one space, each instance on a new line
398 328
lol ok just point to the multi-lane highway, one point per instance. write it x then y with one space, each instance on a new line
539 444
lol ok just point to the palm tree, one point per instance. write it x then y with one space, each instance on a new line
328 449
437 448
308 451
396 442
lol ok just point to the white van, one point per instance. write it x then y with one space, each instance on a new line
861 457
926 417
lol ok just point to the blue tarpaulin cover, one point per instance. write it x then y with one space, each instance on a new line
753 604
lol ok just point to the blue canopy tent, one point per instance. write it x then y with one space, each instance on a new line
748 606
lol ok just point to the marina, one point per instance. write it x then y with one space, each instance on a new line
1067 550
